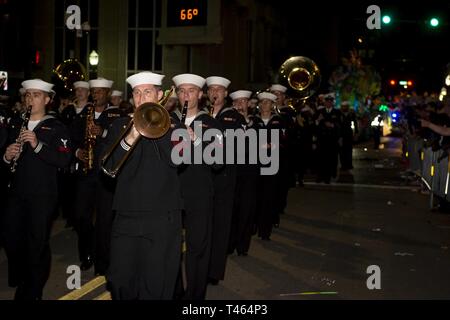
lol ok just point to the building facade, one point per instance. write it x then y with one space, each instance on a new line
238 39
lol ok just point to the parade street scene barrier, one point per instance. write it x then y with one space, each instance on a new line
432 167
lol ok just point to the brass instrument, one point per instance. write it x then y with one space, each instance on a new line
89 139
26 118
67 73
301 76
151 120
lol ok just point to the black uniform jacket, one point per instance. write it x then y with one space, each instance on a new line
199 176
36 171
276 122
3 129
249 167
230 118
68 114
148 180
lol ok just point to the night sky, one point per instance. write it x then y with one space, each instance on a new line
407 48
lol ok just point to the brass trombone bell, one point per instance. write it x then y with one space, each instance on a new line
151 120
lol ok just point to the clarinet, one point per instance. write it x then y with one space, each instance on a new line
26 119
184 112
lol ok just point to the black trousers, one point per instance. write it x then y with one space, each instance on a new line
198 225
287 180
244 212
328 160
66 195
224 190
145 255
346 153
267 204
25 232
94 208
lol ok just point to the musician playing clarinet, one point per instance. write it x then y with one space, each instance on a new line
35 152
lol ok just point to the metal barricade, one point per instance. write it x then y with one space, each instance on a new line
432 167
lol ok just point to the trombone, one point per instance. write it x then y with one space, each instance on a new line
151 120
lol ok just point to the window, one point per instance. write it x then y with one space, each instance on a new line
67 43
144 22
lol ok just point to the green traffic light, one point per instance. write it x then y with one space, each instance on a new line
434 22
386 19
383 108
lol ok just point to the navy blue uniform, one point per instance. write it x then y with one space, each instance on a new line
32 198
224 190
197 187
146 233
94 194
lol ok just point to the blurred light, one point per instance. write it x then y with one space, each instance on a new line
383 107
392 82
365 149
93 58
447 80
394 115
409 83
360 40
405 86
37 57
394 121
386 19
434 22
402 82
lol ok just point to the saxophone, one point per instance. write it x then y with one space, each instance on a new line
26 119
89 139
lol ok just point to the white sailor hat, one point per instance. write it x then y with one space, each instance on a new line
329 96
101 83
81 84
345 103
278 87
306 109
267 95
217 81
145 77
320 108
37 84
116 93
189 78
240 94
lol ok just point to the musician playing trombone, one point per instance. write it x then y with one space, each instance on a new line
146 233
38 148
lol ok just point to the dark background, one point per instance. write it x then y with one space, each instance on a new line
407 49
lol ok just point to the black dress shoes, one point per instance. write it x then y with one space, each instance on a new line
86 263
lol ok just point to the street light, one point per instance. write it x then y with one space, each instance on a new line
434 22
386 19
93 58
